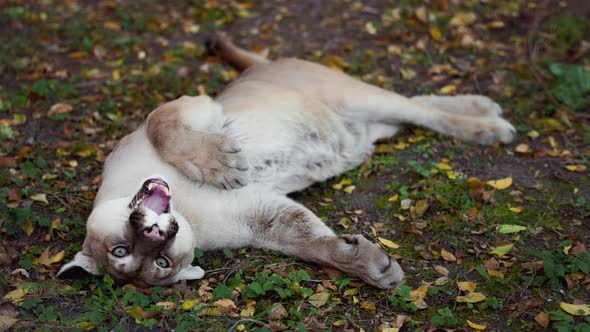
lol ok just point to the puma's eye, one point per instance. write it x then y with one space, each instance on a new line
119 251
162 262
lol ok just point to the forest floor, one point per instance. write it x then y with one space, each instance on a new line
490 238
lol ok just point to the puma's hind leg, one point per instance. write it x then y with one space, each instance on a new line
471 105
294 230
372 104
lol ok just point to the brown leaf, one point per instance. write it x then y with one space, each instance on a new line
60 108
278 311
542 319
447 256
8 162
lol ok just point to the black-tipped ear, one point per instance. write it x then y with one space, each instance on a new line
81 266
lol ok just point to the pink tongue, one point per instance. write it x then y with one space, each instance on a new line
157 201
154 233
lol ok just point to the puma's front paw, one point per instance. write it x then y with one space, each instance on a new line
227 167
359 256
218 161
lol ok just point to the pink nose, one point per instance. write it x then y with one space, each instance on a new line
154 233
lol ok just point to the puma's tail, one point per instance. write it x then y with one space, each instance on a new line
238 57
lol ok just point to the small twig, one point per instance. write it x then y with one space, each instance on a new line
233 327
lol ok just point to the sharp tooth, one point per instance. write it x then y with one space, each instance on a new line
150 185
166 190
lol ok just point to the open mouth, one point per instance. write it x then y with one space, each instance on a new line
154 195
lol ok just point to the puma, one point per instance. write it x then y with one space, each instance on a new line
215 173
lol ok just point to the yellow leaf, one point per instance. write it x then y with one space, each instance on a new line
369 306
447 256
57 257
15 296
533 134
501 183
448 89
188 305
394 198
522 148
502 250
319 299
516 209
388 243
497 274
575 309
576 168
467 286
473 297
370 28
407 74
40 198
84 326
444 166
28 227
436 34
452 175
6 322
349 189
401 145
419 293
475 326
340 322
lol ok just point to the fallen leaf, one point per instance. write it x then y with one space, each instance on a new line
436 33
516 209
509 229
467 286
501 183
576 168
370 28
542 319
393 198
473 297
462 19
475 326
15 296
278 311
502 250
442 270
28 227
60 108
369 306
319 299
447 256
6 322
40 198
448 89
575 309
388 243
349 189
522 148
188 305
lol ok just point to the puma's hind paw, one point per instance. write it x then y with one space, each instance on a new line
359 256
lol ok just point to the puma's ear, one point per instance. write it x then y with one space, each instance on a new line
81 265
190 273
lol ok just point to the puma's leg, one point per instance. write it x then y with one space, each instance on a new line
186 133
294 230
472 105
371 104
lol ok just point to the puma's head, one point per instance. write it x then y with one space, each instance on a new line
138 239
